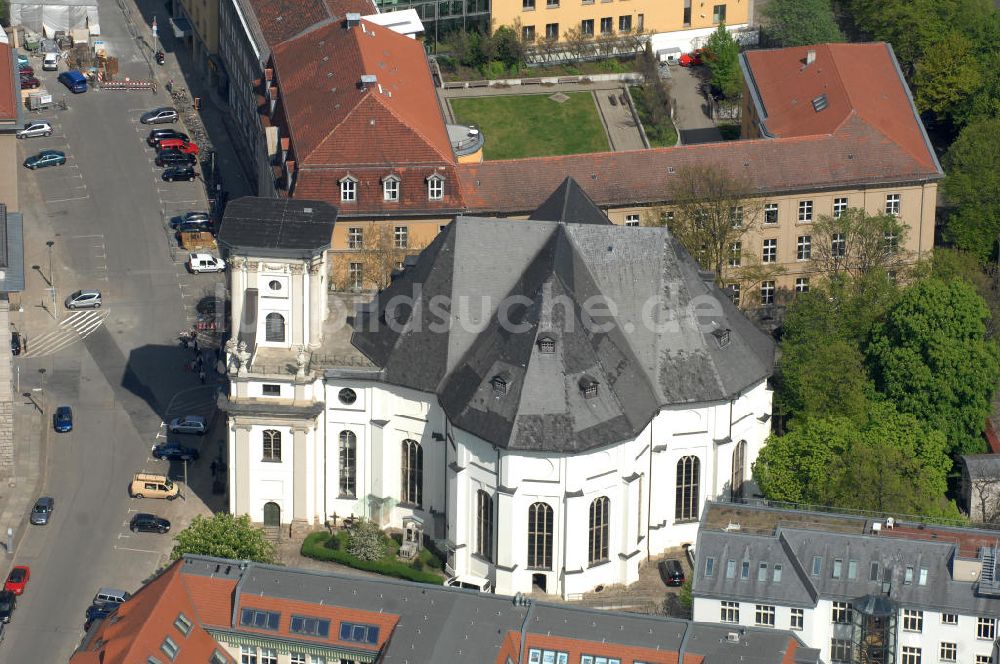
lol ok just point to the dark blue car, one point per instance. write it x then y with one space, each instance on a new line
98 612
62 421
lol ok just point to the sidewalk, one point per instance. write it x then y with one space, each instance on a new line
20 489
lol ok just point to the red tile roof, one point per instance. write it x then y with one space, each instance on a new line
859 80
10 89
337 128
281 20
627 654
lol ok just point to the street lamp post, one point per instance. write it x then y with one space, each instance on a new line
52 280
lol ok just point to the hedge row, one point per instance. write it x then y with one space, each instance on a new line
315 547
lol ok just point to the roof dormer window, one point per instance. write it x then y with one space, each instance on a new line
588 387
435 188
390 188
722 337
348 189
546 345
499 384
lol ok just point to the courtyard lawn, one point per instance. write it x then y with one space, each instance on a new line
533 125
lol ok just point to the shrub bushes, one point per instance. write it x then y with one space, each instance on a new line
323 546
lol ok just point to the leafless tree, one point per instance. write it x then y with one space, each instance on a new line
856 243
986 496
378 256
578 44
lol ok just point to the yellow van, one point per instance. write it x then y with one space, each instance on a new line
145 485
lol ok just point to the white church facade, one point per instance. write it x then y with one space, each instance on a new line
554 398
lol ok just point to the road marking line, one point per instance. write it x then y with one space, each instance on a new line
125 548
66 200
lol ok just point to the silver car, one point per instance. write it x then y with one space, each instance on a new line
84 299
35 129
158 115
195 424
41 511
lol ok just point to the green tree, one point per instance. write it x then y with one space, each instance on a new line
509 47
723 59
366 541
946 76
972 187
931 358
225 536
823 378
800 23
796 466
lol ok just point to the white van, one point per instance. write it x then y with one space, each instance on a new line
50 62
467 582
110 596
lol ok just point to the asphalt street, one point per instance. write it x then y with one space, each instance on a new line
119 367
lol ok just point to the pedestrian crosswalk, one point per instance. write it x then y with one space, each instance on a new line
73 328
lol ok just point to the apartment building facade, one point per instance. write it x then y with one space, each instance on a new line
858 589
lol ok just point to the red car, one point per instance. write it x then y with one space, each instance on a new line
17 579
187 147
691 59
26 71
29 82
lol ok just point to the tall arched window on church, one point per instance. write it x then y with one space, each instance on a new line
739 464
412 473
484 525
274 327
540 536
599 530
688 472
348 464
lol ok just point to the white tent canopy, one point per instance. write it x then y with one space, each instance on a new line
48 16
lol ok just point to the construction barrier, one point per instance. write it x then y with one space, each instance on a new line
128 85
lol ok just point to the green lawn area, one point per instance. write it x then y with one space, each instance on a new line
533 125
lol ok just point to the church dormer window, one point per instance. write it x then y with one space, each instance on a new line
588 387
721 336
499 384
547 345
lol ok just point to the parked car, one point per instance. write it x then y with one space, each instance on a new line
159 115
200 218
110 597
24 69
17 579
671 572
187 147
174 157
8 602
148 523
50 62
22 60
15 343
175 452
45 158
199 263
692 59
98 612
84 299
156 135
148 485
42 510
195 424
186 173
74 80
35 129
62 421
30 83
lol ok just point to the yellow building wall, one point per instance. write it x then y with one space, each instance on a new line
649 15
205 16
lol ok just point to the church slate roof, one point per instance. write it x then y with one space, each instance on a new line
498 318
570 203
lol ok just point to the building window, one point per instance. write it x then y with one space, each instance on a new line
412 473
718 14
528 31
599 530
733 291
852 565
770 213
484 525
551 4
745 570
842 613
922 578
606 26
348 464
984 659
730 612
709 567
803 247
913 621
688 475
802 284
840 651
400 237
248 655
355 276
631 220
838 245
169 648
949 618
908 576
310 626
687 13
540 536
770 254
641 22
764 615
552 31
218 658
817 568
762 572
839 207
435 188
528 5
797 620
736 216
348 190
838 567
625 23
274 327
355 237
390 188
296 658
911 655
767 292
949 652
986 628
890 241
271 390
892 204
739 463
777 573
873 573
272 445
730 569
268 656
182 624
587 28
735 250
805 210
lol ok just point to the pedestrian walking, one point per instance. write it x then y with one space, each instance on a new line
214 467
201 375
195 345
199 362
